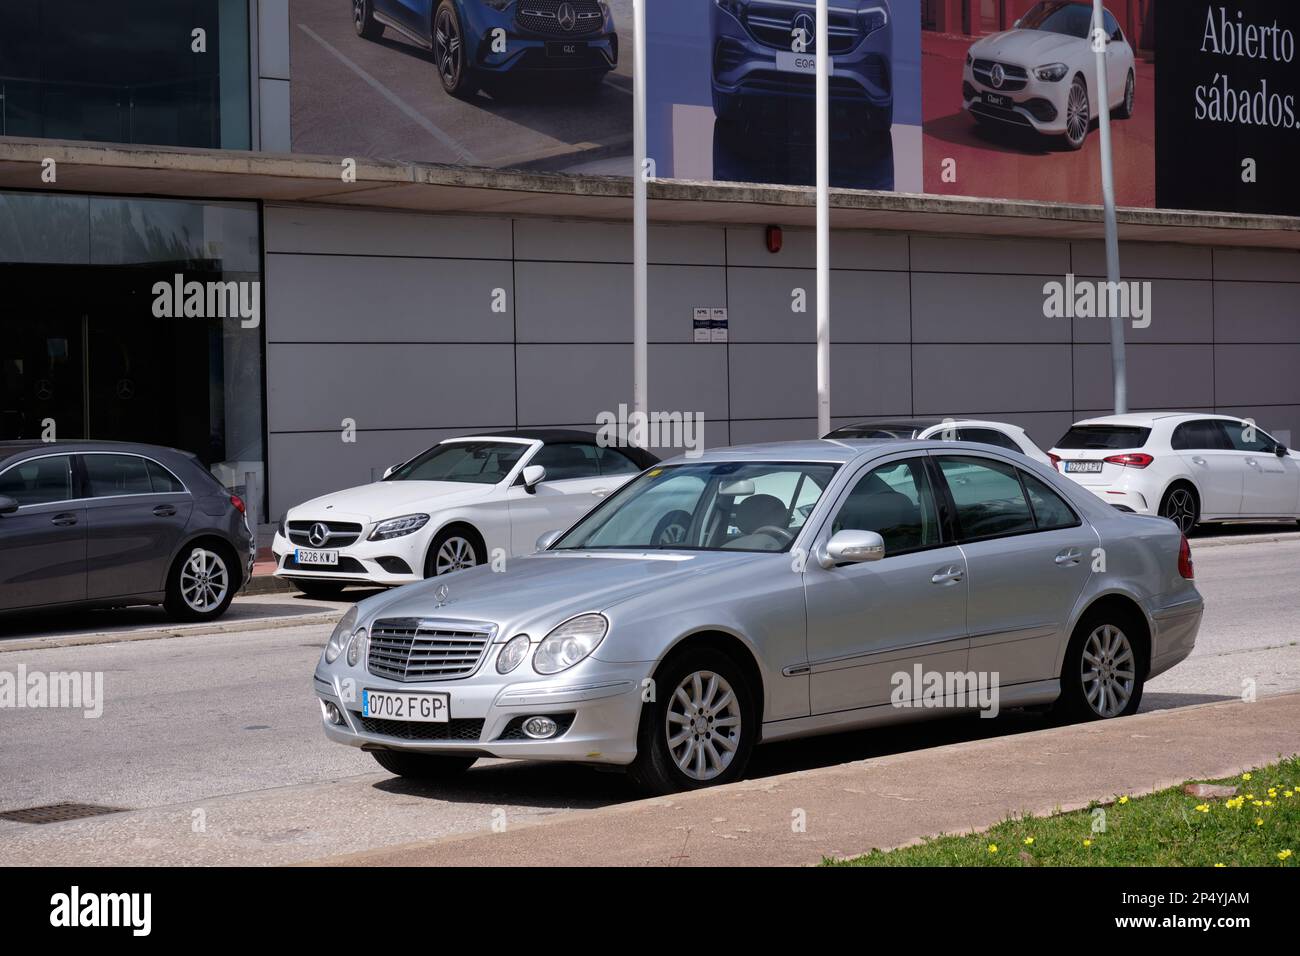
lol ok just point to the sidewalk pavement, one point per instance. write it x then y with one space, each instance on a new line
887 801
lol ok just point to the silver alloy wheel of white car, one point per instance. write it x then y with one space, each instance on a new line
204 580
703 725
456 554
1077 114
1180 508
1109 669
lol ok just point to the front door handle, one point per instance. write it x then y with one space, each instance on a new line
1069 556
165 511
1252 462
600 492
64 520
1197 460
950 575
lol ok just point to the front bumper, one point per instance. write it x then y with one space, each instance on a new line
363 562
598 706
1031 103
1124 498
525 51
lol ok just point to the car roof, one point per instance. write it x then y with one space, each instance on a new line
22 446
914 423
1148 419
831 450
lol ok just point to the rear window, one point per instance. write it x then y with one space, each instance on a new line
1105 436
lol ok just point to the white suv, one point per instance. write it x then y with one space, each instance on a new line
1187 468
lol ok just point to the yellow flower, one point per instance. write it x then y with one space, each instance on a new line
1257 803
1087 843
1123 800
1268 803
993 848
1245 776
1288 794
1285 854
1250 796
1203 808
1272 791
1259 822
1220 864
1029 841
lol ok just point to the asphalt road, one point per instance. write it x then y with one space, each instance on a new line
382 99
223 727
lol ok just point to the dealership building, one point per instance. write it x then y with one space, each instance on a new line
389 303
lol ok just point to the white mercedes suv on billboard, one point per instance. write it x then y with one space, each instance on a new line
1188 468
1042 75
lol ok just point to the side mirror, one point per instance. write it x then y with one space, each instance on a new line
1016 25
389 470
548 539
1280 450
852 547
7 505
534 475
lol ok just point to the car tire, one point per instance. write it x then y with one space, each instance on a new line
1111 639
363 20
323 590
1182 506
449 52
659 764
426 767
451 549
672 528
1078 114
201 583
1127 108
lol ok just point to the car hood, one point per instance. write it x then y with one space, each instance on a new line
1028 48
388 499
537 592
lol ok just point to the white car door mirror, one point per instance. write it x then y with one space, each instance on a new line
548 539
853 547
534 475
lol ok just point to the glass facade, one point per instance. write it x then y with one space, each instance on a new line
135 320
126 71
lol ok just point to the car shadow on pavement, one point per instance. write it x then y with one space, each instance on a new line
1152 702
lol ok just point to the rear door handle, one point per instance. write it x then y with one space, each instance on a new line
64 520
1069 556
949 575
1252 462
1197 460
165 511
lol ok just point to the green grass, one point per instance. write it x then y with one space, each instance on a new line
1160 829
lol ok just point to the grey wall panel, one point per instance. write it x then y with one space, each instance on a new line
990 379
1257 265
1180 311
574 241
747 246
982 308
1256 312
1144 260
780 429
374 233
371 298
1256 374
273 115
1008 256
689 378
865 306
572 383
314 387
773 381
1159 376
868 379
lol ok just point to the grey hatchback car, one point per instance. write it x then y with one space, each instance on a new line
110 524
765 593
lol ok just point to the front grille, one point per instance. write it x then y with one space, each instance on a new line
1016 77
415 730
727 55
346 565
773 26
408 649
340 533
560 18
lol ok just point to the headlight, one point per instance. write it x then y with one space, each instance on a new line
357 647
513 654
342 631
396 527
874 18
569 643
735 7
1052 72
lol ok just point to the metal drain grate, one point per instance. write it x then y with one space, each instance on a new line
58 812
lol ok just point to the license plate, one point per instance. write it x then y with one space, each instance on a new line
1082 467
418 708
788 62
304 557
996 99
565 48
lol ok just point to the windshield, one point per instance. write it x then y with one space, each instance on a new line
1104 437
707 506
1059 16
478 462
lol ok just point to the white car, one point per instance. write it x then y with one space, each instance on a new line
453 506
1187 468
1041 75
998 434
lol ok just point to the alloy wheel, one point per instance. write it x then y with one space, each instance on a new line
204 580
703 725
1077 115
1180 508
1109 668
1129 93
456 554
359 13
447 46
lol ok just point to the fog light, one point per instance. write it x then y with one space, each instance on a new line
539 728
331 713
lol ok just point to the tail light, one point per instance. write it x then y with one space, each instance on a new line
1185 566
1134 460
1055 460
238 502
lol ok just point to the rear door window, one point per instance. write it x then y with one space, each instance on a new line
989 498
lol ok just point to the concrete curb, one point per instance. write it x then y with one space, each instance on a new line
1225 542
178 630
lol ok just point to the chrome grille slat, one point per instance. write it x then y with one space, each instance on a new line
408 650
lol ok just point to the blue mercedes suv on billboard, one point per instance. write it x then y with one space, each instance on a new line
764 59
477 42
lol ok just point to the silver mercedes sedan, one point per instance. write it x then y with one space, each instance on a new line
764 593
